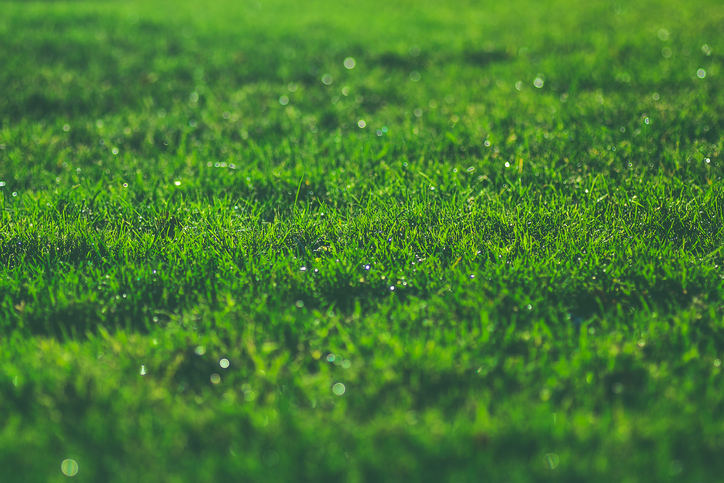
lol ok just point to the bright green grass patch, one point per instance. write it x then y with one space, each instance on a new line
489 248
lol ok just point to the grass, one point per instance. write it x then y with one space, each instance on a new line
490 251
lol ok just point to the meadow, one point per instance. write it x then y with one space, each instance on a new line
382 241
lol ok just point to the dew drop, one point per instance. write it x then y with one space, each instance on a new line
69 467
271 458
551 461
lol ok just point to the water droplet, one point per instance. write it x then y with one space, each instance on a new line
701 73
200 350
676 468
415 76
538 82
143 370
551 461
663 35
224 363
299 304
361 123
283 100
717 363
69 467
271 458
327 79
641 343
215 378
339 389
349 63
177 183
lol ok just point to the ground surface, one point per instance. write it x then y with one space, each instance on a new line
490 248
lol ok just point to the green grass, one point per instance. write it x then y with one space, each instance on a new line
519 254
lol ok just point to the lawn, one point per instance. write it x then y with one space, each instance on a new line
381 241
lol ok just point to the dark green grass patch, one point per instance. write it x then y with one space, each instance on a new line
266 241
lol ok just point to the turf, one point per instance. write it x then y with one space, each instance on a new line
489 251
